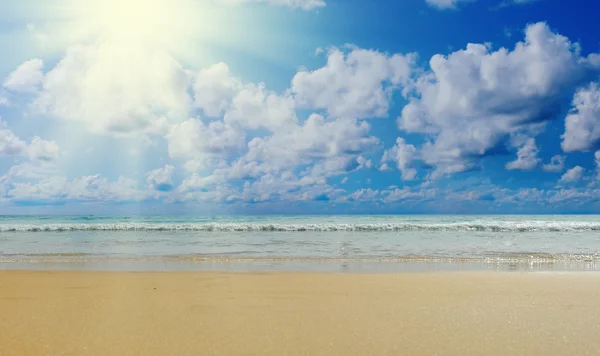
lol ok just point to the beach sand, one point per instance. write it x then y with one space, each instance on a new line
209 313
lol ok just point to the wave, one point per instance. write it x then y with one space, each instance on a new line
504 226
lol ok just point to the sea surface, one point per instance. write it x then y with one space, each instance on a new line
358 243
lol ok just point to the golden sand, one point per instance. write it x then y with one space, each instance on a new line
206 313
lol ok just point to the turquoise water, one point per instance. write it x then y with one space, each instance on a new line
300 242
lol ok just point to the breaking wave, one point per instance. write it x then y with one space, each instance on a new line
487 226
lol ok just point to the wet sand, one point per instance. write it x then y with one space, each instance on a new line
209 313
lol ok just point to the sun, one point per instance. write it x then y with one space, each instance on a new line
141 20
197 32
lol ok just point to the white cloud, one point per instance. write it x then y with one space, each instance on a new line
527 158
287 187
214 88
10 144
445 4
333 166
203 143
573 175
37 149
28 170
195 182
473 100
357 85
45 189
87 188
43 150
293 163
99 188
582 125
255 107
116 89
311 150
403 155
364 163
557 164
407 193
284 186
384 167
161 179
573 197
244 106
363 195
338 142
26 78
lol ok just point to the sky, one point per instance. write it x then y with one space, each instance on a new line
299 107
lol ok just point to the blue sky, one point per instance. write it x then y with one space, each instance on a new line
299 106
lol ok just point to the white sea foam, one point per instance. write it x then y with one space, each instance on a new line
483 226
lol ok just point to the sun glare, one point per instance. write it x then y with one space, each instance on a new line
139 20
196 32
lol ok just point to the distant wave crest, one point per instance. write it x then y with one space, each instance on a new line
505 226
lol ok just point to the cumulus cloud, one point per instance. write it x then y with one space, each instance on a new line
470 104
214 88
26 78
340 142
123 95
36 170
161 179
557 164
403 155
283 186
203 144
384 167
354 85
445 4
244 106
407 193
255 107
93 188
10 144
473 100
289 164
37 149
42 150
573 175
527 158
114 88
582 125
297 152
363 195
286 187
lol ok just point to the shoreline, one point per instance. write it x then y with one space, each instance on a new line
314 265
298 313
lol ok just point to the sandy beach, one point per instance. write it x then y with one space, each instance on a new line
209 313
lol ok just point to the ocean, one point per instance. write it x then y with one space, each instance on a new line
330 243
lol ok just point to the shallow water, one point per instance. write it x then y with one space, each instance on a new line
367 243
